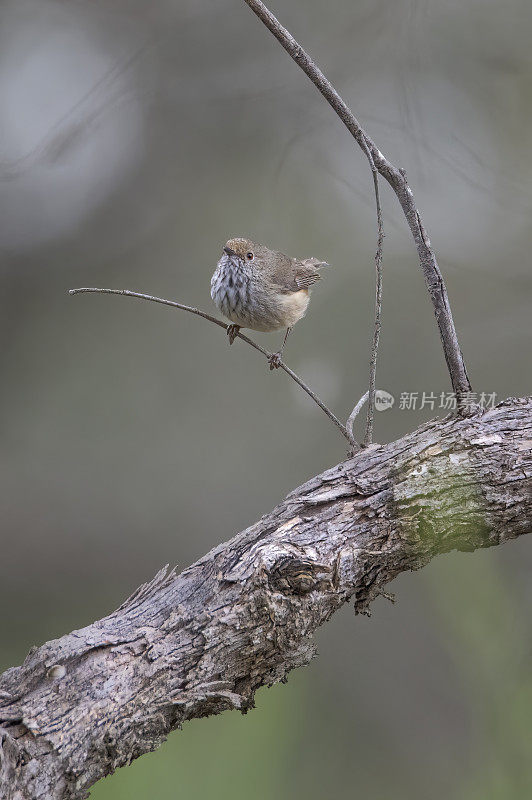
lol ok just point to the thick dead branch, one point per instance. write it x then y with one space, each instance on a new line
243 616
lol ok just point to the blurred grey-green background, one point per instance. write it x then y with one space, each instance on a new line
136 138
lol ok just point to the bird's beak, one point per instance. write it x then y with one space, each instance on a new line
229 251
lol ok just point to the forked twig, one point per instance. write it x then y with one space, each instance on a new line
199 313
397 180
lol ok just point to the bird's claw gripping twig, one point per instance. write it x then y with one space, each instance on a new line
232 332
275 360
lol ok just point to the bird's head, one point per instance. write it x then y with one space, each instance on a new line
245 253
242 249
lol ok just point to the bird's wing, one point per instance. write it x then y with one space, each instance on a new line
300 274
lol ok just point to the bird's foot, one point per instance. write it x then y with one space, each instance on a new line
275 360
232 332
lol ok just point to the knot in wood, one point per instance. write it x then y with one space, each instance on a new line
295 575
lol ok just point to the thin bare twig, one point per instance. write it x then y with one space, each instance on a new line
244 338
368 438
354 414
397 180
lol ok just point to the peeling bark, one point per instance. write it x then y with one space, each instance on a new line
204 641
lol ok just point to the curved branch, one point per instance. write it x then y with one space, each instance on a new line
172 303
397 180
355 412
204 641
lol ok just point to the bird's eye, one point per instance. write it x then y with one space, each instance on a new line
249 256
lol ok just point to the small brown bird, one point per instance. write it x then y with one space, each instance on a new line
262 289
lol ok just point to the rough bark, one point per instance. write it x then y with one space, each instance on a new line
243 616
